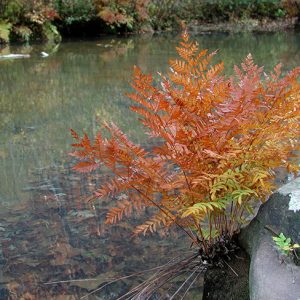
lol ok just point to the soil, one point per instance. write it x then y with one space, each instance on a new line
223 283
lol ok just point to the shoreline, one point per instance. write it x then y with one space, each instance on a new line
246 25
52 35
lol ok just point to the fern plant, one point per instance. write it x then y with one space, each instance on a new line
219 141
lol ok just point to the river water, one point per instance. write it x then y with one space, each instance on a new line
47 231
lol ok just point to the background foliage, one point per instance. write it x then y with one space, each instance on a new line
133 15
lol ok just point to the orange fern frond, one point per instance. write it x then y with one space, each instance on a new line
154 223
124 207
220 140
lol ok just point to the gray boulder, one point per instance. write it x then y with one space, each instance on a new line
272 275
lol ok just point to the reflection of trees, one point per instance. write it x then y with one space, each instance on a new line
42 98
267 49
80 83
66 85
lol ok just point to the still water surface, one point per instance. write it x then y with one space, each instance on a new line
47 232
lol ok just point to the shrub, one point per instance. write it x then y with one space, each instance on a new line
11 10
21 11
71 11
4 32
123 13
291 7
219 140
164 14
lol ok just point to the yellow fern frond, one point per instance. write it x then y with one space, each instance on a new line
204 208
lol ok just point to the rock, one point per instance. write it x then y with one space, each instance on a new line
44 54
4 292
273 275
14 56
82 215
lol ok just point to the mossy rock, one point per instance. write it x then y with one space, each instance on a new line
5 29
45 32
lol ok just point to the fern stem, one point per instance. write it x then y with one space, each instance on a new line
216 225
210 227
166 211
233 219
223 221
226 223
186 180
201 236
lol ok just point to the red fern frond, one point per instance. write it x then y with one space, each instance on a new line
74 134
86 166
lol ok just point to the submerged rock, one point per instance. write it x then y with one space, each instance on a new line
13 56
44 54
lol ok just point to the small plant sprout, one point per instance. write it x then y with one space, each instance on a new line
284 244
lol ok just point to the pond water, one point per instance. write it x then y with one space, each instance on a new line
47 231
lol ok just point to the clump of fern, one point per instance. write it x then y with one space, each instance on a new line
223 137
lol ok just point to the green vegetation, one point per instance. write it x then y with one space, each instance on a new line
4 32
164 14
284 244
71 11
28 20
75 16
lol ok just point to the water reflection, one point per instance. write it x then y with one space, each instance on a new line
47 232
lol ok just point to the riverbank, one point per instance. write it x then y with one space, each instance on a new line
32 21
248 25
50 33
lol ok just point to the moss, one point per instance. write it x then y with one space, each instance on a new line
5 29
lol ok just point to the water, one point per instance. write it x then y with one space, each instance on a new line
47 232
